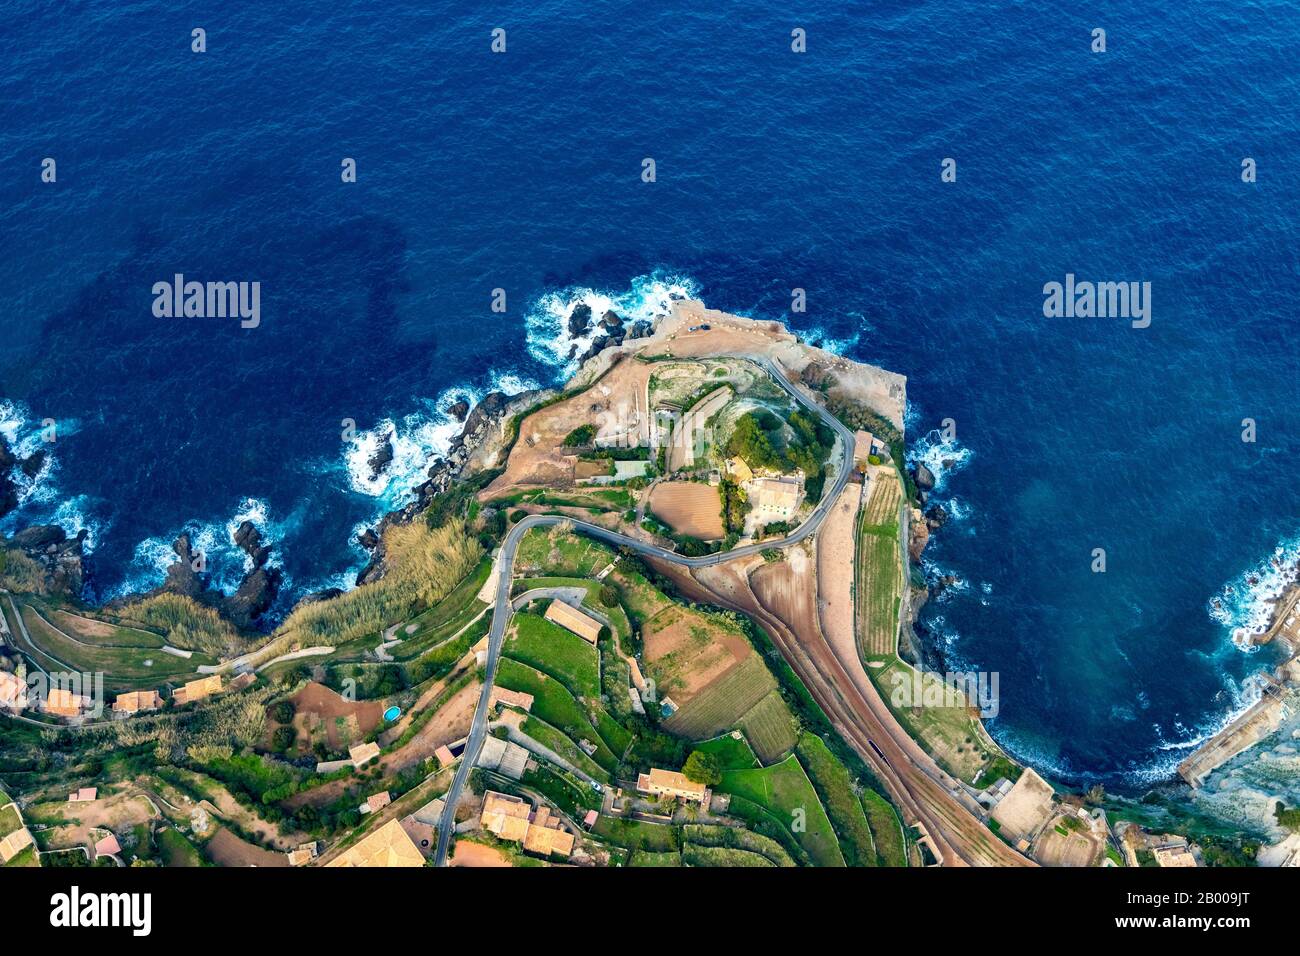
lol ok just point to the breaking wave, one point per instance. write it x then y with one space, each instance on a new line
546 324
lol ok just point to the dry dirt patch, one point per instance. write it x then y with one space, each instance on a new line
320 713
476 854
226 849
685 652
539 456
688 507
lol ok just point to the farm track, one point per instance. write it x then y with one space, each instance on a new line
910 774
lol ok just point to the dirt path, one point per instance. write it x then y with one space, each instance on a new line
835 556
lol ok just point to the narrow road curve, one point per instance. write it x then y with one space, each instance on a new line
505 570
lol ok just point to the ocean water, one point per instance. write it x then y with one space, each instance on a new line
775 170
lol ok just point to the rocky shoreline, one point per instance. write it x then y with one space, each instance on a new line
481 445
915 644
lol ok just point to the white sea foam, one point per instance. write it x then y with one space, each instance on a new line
25 437
226 562
1244 606
546 323
943 456
417 438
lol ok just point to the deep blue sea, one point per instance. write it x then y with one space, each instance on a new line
775 170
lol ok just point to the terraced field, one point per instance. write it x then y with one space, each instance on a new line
724 702
769 727
551 649
124 665
879 577
554 704
785 791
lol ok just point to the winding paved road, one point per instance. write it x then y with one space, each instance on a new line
505 570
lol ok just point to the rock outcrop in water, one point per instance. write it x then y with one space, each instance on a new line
59 556
10 463
480 443
382 457
188 576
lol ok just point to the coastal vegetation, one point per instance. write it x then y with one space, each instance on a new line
424 565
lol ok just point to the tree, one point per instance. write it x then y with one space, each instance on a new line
608 595
582 435
703 768
282 711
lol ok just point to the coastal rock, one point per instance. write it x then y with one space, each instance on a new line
598 345
184 577
612 320
382 457
482 413
368 539
579 319
459 410
328 594
39 538
59 556
254 596
918 536
924 477
936 516
249 540
33 465
641 328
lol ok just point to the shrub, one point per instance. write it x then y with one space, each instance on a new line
582 435
282 712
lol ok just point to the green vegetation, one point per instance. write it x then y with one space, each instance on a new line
582 435
549 737
555 651
696 855
761 439
702 767
20 573
835 788
736 838
1289 819
785 790
886 829
424 565
735 505
555 705
731 753
770 726
648 858
638 835
186 624
445 618
123 667
176 849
